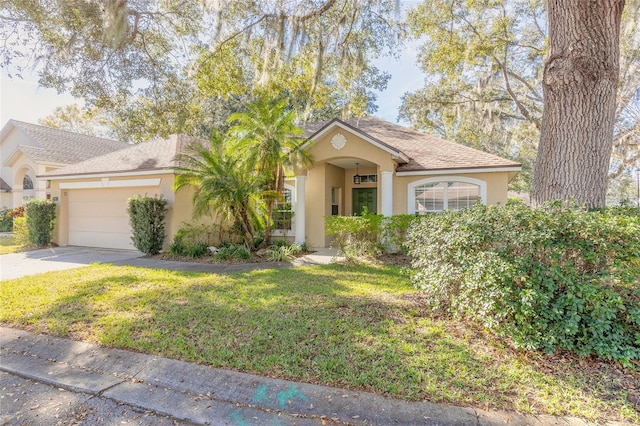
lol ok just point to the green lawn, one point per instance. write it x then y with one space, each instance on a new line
350 326
8 245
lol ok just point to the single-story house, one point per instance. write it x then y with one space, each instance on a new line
366 162
28 150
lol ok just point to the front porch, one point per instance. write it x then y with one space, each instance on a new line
339 186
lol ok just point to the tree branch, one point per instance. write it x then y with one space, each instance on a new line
534 91
317 12
523 110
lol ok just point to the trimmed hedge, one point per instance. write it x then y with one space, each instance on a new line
548 278
356 236
7 217
20 232
369 234
6 220
40 215
147 216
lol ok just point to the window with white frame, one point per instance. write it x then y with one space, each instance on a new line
28 191
434 195
27 183
282 214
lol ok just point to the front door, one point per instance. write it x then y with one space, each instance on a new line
365 197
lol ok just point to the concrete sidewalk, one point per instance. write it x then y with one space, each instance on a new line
209 396
17 265
323 256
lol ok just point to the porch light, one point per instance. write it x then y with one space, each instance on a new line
357 179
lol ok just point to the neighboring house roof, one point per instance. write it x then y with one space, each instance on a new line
56 146
424 152
4 186
155 155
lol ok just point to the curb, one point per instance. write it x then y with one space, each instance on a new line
205 395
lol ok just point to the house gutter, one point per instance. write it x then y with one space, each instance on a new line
125 173
459 170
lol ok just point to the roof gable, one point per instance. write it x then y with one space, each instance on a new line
423 152
4 186
315 131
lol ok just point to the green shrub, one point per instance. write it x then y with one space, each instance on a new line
146 216
304 248
356 236
394 231
258 241
278 254
369 234
192 250
281 252
193 240
6 221
40 219
233 252
20 232
281 243
553 277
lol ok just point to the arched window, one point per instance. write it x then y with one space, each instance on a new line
27 183
446 193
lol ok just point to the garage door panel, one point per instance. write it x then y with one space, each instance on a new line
107 208
100 213
89 224
105 194
98 217
102 239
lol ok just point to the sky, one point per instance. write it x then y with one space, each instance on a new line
24 100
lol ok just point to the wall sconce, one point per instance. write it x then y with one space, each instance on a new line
357 179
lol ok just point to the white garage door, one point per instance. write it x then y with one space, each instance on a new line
98 217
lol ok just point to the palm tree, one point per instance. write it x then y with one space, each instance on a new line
223 185
267 137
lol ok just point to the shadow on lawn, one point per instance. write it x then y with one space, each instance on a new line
347 326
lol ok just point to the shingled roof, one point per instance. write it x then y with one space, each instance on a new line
4 186
425 152
421 151
155 155
56 146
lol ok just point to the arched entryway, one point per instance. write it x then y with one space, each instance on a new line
25 186
354 186
341 153
344 186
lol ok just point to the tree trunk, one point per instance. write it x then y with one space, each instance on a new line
248 228
579 82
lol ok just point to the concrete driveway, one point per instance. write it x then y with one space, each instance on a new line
16 265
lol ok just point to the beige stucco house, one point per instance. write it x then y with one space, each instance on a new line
366 162
400 170
28 150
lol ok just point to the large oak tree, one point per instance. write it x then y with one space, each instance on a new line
484 63
580 81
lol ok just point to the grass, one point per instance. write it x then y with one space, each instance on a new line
356 327
8 245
